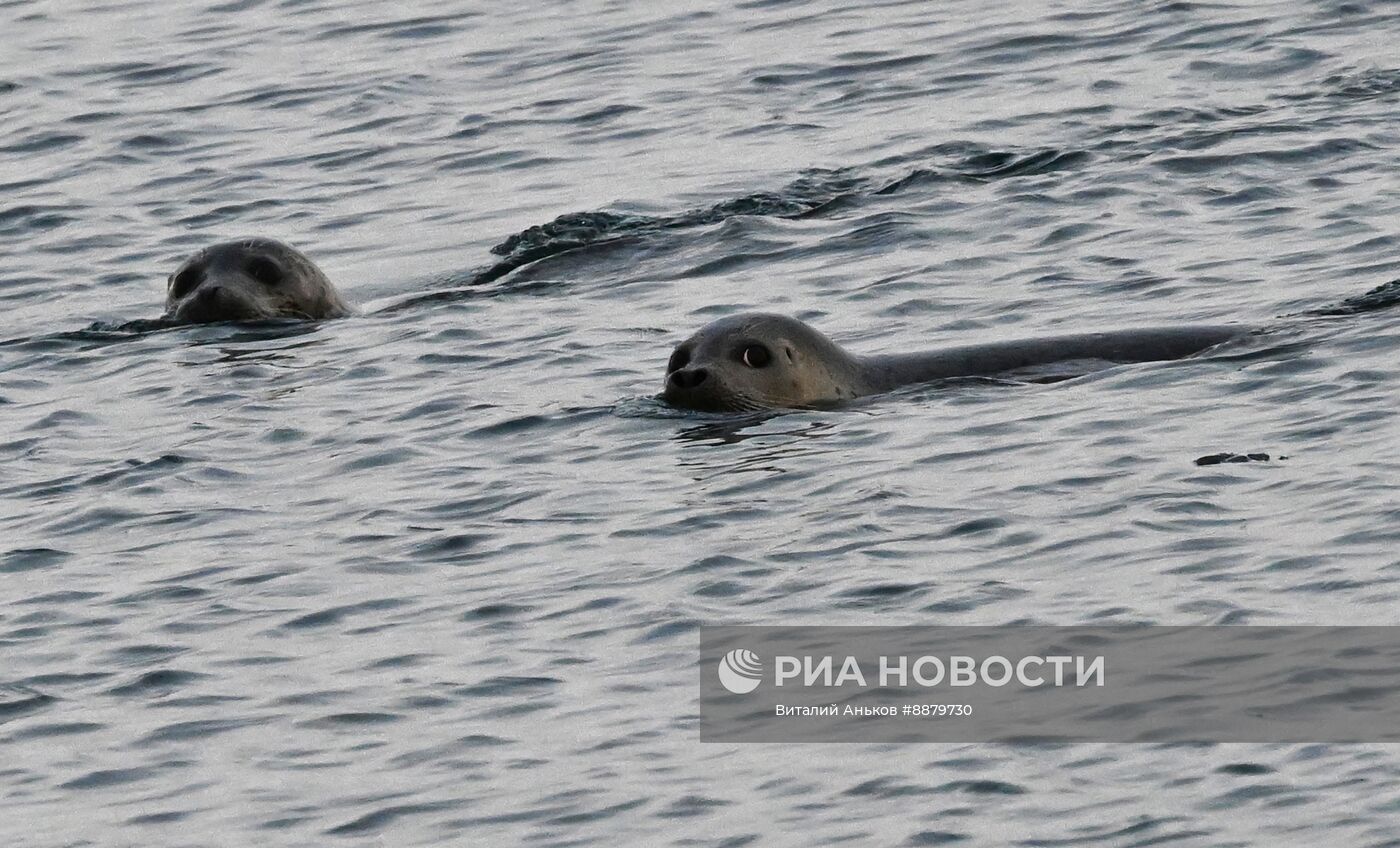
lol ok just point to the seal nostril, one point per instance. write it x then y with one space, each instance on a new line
186 280
679 359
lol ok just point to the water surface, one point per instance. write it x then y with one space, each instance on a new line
432 575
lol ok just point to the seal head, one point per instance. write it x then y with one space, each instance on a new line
758 361
250 279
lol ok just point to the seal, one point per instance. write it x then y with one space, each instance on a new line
758 361
250 279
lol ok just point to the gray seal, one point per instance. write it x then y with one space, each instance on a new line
250 279
758 361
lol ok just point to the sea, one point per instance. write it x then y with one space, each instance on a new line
434 574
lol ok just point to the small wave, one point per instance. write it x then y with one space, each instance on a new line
102 334
1364 84
816 192
1385 296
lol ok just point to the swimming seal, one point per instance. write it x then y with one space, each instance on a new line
758 361
248 280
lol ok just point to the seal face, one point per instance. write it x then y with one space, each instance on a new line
248 280
757 361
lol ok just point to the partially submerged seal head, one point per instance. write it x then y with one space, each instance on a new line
250 279
757 361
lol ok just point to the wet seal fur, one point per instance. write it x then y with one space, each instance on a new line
758 361
250 279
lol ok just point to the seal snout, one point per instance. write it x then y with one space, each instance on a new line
209 293
206 302
688 378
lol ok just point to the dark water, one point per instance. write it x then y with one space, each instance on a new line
432 575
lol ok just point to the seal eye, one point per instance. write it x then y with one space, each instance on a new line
756 356
184 281
264 271
679 360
